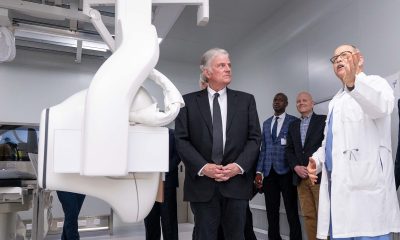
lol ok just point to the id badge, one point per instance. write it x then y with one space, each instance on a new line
283 141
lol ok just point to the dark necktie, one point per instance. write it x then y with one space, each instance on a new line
217 148
274 129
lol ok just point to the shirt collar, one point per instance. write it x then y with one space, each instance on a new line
282 116
221 92
361 74
307 117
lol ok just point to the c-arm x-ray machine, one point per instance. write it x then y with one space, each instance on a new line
101 141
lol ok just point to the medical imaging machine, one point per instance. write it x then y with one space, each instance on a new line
99 141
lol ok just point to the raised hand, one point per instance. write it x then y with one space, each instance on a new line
351 69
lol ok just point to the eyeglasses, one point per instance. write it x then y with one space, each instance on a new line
342 55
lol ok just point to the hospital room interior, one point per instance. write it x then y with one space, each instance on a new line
75 76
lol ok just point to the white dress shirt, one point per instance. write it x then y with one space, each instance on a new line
280 123
223 104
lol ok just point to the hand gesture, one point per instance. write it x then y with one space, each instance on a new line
351 69
301 171
312 170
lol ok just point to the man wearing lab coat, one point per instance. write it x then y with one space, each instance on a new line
357 192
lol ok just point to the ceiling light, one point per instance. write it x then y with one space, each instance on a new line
7 45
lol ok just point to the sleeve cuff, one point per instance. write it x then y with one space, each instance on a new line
349 89
241 169
200 173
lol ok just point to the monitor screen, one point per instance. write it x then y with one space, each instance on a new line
16 141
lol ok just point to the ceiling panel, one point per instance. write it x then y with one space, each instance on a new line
230 22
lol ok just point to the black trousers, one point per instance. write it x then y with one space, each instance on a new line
273 185
227 212
248 228
71 204
169 219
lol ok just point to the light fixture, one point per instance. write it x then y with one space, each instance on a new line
7 45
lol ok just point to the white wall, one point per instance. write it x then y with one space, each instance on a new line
37 80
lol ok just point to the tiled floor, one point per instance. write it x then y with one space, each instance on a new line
133 233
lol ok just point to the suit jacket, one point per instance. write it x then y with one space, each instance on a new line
272 153
295 152
171 177
193 135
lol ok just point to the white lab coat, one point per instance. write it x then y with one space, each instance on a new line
364 200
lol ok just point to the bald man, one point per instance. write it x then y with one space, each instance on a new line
357 197
304 137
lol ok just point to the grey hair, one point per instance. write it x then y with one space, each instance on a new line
355 48
206 59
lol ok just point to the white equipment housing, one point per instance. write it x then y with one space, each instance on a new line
106 141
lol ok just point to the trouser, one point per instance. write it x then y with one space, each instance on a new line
273 185
167 211
71 204
308 196
228 212
248 229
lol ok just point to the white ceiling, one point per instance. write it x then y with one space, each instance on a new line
230 22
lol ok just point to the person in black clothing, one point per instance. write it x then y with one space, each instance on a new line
71 204
166 210
248 228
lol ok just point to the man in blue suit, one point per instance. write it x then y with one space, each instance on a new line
273 172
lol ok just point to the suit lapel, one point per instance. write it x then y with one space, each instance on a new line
296 132
204 106
231 102
284 124
267 128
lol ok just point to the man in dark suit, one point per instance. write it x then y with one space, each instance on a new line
218 138
273 172
167 210
304 137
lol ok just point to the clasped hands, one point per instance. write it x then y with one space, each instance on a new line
221 173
